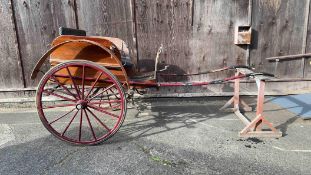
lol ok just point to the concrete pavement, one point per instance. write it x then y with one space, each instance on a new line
160 136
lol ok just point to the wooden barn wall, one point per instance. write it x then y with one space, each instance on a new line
212 38
197 35
37 23
278 29
166 22
11 75
307 61
112 18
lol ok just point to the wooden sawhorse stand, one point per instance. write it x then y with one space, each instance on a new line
253 128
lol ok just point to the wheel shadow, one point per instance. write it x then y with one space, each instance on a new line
160 118
47 155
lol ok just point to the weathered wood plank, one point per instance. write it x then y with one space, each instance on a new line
307 64
206 45
166 22
197 34
10 68
37 25
278 30
108 18
212 43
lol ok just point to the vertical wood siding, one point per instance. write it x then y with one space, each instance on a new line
11 75
197 35
278 30
112 18
307 68
212 38
37 25
166 22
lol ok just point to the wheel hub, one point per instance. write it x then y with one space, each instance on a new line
81 104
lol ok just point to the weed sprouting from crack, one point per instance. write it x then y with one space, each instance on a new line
162 161
158 159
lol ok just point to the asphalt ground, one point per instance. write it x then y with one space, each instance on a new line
160 136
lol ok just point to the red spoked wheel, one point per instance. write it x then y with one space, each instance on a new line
81 102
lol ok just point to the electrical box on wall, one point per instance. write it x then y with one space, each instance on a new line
243 35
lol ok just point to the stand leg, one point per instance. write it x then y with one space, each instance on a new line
254 129
236 100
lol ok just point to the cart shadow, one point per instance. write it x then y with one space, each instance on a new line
48 155
157 119
167 118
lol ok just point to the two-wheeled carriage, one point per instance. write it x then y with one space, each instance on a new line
82 99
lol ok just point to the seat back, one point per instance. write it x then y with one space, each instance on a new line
70 31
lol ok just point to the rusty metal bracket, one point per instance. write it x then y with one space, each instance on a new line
254 127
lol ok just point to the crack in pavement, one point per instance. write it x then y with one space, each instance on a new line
61 161
6 134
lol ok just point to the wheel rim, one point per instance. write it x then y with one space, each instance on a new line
81 102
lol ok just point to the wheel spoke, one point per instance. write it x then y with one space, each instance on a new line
57 95
106 89
102 95
124 84
60 91
114 94
112 107
105 101
64 87
70 123
59 106
62 116
73 82
108 98
100 100
106 127
91 127
83 78
80 129
93 85
107 108
85 98
103 111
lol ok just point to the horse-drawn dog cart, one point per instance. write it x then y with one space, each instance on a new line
90 81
